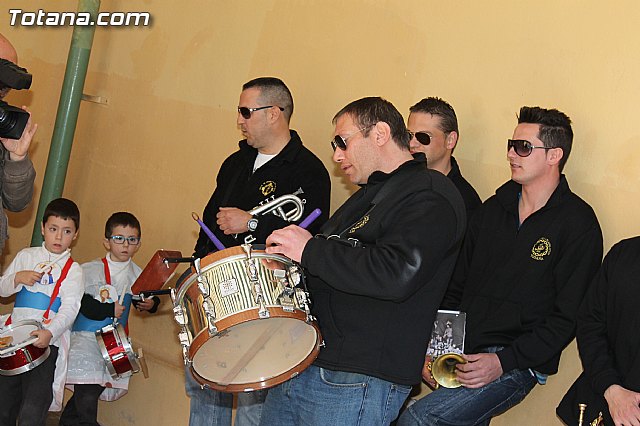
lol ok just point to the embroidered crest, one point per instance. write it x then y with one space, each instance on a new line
359 224
268 187
540 249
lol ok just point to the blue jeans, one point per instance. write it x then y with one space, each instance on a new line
318 396
466 407
249 408
209 407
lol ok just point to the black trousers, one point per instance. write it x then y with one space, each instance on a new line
26 397
82 408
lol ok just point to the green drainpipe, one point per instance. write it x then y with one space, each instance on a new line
67 116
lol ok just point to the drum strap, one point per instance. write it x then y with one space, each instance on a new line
56 290
107 274
107 278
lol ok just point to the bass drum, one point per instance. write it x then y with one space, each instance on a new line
245 324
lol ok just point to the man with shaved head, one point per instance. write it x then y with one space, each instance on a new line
16 170
7 50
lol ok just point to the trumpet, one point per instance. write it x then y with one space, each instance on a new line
598 421
276 207
443 369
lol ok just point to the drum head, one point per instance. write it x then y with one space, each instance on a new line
16 334
253 353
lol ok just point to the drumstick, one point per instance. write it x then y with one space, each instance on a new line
309 219
250 353
52 262
205 228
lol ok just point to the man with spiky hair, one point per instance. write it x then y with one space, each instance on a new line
528 257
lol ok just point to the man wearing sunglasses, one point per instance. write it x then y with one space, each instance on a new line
376 274
529 254
433 127
271 162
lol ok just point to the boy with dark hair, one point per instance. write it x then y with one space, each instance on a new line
48 287
114 274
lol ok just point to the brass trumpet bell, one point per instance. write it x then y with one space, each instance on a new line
443 369
276 207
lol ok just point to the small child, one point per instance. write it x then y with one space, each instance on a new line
106 280
49 289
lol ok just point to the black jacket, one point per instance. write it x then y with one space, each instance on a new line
295 170
521 287
469 195
607 335
377 282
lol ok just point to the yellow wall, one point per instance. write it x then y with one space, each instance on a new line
172 90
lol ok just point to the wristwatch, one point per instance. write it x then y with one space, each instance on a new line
252 225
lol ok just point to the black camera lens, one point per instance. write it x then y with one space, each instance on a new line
12 121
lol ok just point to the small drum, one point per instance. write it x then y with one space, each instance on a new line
116 350
244 323
17 353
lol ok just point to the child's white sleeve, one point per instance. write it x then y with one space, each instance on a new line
7 286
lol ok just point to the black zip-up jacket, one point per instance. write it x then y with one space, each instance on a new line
376 284
521 287
295 170
469 195
607 334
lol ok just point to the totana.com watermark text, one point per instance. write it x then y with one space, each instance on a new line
42 18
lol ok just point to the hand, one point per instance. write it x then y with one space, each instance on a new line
231 220
479 370
145 305
426 373
18 148
27 278
289 241
118 309
44 338
624 405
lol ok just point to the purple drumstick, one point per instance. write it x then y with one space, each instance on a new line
205 228
309 219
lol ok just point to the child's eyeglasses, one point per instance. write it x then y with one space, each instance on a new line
120 239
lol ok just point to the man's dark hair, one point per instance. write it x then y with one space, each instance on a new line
555 128
62 208
274 92
366 112
440 108
121 219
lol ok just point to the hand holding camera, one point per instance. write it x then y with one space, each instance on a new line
16 126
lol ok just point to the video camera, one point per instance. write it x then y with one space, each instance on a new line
12 119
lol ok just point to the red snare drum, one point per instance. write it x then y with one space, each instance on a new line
19 355
118 355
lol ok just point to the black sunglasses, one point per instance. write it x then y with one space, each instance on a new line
246 112
524 148
340 142
421 137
